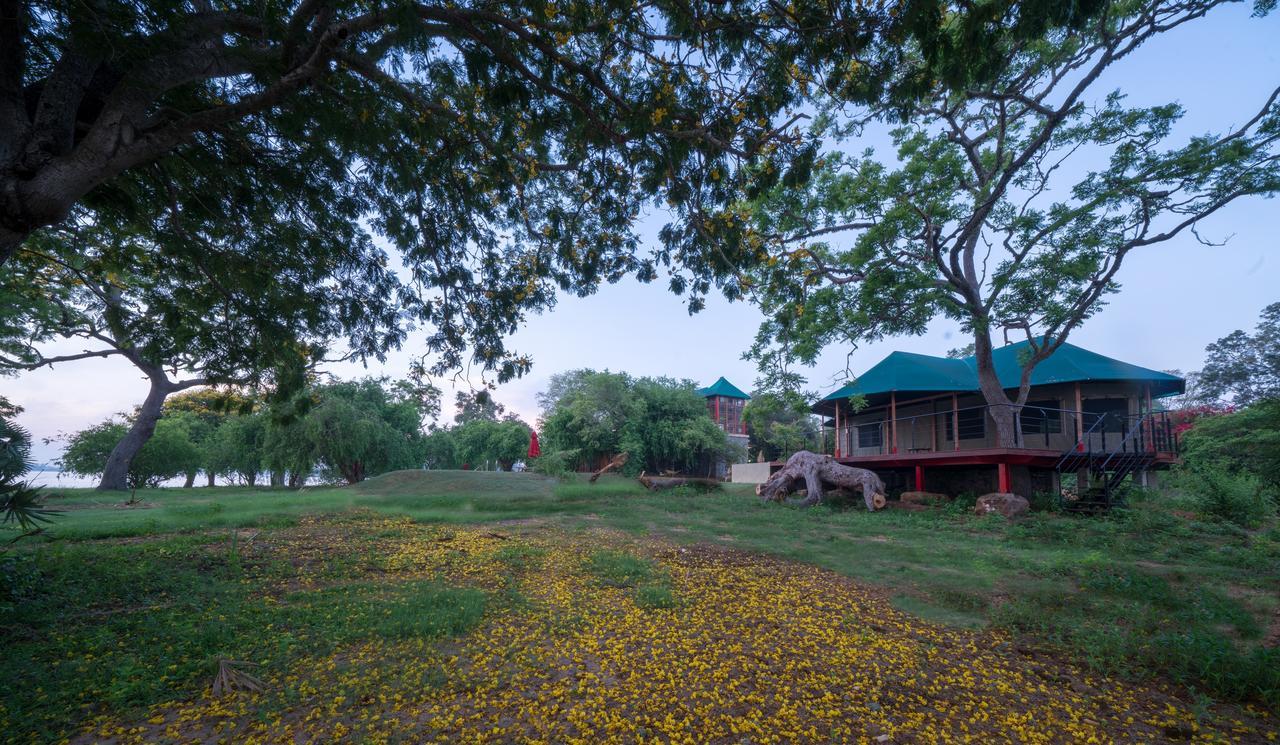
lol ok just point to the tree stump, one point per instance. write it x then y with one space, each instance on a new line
816 473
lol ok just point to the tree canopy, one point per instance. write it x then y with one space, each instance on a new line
779 424
660 423
168 453
362 428
503 149
1244 368
987 215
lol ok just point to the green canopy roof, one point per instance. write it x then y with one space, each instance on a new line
907 372
722 387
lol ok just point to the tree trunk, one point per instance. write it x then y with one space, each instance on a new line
250 479
817 471
211 477
277 478
295 479
116 473
1001 409
9 243
191 480
658 483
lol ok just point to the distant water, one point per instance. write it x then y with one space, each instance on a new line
55 479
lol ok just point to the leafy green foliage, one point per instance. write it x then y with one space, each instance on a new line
480 405
779 424
19 502
169 453
1246 440
504 150
481 441
1238 497
1232 468
208 408
661 423
1245 368
440 449
239 447
362 428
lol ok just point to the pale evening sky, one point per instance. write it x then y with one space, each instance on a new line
1176 297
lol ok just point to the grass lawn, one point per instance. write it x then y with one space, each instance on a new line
457 606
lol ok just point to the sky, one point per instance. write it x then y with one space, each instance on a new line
1176 297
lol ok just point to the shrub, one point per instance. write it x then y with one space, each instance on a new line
1237 497
1247 441
558 464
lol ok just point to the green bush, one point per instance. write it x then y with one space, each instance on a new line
1247 440
557 465
1237 497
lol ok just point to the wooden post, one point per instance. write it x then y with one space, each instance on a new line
1079 419
1004 478
893 421
837 453
919 478
955 420
933 425
1150 425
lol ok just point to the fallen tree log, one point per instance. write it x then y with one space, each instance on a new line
618 461
658 483
815 473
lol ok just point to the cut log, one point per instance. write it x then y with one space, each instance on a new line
815 473
618 461
658 483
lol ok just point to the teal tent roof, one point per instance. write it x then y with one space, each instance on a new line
722 387
907 372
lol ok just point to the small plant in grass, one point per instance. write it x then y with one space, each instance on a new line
659 595
619 569
431 611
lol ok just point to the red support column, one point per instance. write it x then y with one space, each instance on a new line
919 478
1004 478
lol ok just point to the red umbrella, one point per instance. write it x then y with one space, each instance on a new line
534 450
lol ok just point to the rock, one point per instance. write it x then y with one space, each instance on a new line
1009 505
924 497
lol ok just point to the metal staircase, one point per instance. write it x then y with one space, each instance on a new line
1110 457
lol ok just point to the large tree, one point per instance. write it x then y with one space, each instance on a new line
660 423
779 424
365 427
1012 204
190 300
210 408
169 453
1244 368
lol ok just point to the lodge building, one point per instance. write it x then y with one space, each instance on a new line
922 424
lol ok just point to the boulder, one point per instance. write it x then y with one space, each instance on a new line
924 497
1004 503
